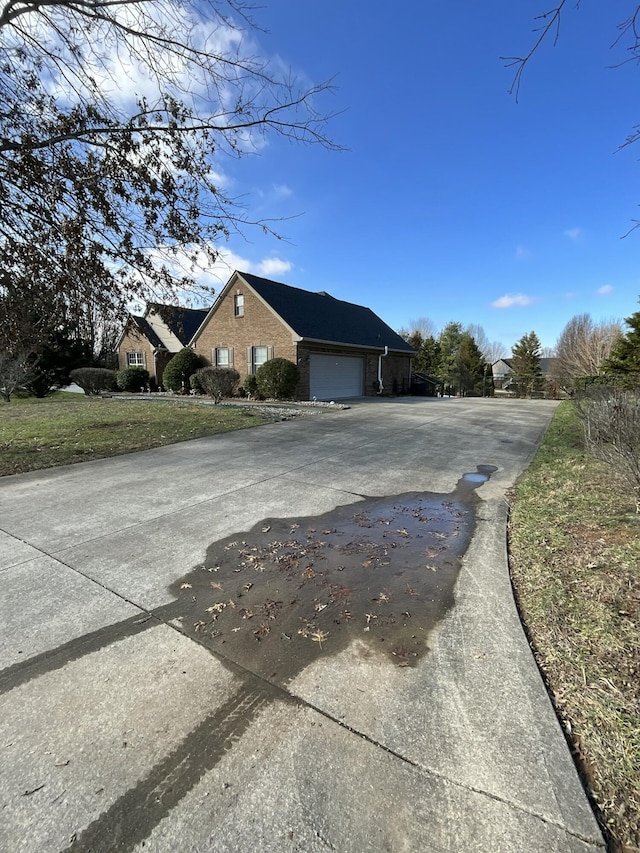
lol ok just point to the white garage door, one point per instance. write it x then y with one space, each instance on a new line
336 376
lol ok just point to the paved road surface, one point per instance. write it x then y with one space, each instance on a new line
293 638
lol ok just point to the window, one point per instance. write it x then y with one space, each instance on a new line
238 305
257 356
135 359
223 357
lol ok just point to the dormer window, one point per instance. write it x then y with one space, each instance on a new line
238 305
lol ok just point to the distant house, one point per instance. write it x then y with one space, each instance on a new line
342 350
502 370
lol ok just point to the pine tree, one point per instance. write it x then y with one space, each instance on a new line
525 363
470 366
448 368
624 362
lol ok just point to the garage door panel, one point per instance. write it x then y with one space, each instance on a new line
336 376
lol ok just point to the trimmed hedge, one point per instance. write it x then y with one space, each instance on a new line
216 382
277 378
250 385
178 372
132 379
93 380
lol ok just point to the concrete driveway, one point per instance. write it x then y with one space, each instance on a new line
299 637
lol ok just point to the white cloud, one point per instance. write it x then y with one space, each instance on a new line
573 233
216 275
273 266
509 301
605 290
522 253
282 191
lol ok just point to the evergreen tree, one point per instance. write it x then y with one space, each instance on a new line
430 356
470 365
448 367
624 362
525 362
427 353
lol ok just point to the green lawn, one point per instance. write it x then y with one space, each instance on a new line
574 542
67 427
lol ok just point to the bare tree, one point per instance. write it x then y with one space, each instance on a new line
113 117
582 348
491 350
424 325
14 372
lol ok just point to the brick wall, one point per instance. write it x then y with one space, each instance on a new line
395 369
258 327
134 341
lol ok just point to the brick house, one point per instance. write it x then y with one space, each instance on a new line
341 349
151 340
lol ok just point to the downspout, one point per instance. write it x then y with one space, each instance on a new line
380 357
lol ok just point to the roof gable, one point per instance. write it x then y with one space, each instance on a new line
181 323
144 327
321 317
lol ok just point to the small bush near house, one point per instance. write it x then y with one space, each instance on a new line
93 380
277 378
217 382
132 379
177 373
250 385
194 384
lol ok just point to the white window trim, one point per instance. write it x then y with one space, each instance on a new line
238 305
251 364
136 363
214 357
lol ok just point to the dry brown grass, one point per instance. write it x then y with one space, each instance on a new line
575 566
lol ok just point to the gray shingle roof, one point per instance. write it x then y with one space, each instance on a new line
183 322
147 331
545 364
321 317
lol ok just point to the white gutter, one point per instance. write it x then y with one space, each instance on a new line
380 357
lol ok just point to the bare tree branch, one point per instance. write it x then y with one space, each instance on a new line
113 117
551 24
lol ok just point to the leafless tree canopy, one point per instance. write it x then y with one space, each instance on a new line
491 350
582 348
424 325
113 115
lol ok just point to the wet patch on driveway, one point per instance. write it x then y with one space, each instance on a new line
384 572
269 602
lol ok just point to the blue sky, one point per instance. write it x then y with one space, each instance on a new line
454 201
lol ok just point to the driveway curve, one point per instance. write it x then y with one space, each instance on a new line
299 637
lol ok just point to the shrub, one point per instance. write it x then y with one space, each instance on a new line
177 373
611 422
194 383
93 380
217 382
132 379
277 378
250 385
